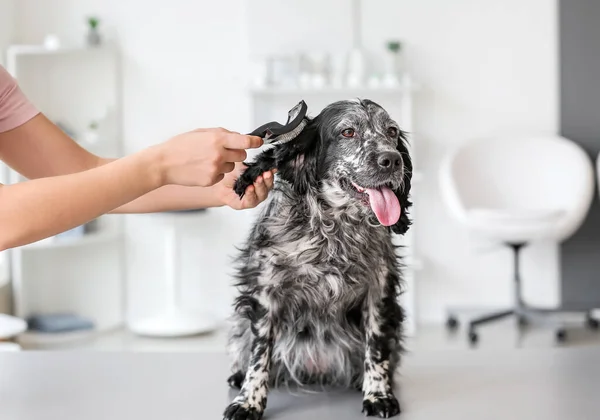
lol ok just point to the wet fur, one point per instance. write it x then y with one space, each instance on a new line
319 278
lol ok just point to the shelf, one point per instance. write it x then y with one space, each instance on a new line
43 273
31 338
346 91
19 50
87 239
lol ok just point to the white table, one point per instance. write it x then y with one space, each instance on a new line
174 320
10 327
559 384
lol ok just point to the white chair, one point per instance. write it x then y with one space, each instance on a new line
517 190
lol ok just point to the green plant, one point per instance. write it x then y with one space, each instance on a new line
93 22
394 46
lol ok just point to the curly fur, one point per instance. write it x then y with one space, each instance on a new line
319 278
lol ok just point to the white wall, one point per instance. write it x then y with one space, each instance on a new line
7 17
486 66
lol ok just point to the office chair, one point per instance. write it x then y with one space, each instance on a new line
517 190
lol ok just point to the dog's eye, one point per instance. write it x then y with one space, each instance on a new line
392 132
348 132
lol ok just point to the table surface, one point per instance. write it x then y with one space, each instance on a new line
549 384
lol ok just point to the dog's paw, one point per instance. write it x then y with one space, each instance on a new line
385 406
236 380
246 179
241 411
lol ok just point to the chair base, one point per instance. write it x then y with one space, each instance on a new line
524 313
524 316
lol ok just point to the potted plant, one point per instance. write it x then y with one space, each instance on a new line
93 36
91 135
392 63
394 46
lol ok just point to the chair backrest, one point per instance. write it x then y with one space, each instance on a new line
521 173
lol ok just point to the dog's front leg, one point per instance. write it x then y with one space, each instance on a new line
382 319
252 400
266 161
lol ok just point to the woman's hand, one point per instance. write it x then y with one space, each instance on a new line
202 157
255 194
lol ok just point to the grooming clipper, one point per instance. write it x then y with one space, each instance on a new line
275 132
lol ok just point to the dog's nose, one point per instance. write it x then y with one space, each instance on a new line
389 161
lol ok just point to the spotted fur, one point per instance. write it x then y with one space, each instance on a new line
319 277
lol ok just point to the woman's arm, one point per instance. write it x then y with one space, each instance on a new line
175 197
37 209
40 149
64 192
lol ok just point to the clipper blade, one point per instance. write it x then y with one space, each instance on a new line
284 138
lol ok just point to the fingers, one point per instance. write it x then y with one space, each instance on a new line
218 179
239 141
234 155
250 198
260 189
269 178
227 167
212 130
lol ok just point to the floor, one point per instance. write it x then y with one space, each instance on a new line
430 337
535 384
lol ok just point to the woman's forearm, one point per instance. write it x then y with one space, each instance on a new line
69 186
168 198
37 209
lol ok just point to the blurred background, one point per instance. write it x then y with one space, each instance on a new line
499 98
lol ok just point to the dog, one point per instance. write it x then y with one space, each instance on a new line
319 277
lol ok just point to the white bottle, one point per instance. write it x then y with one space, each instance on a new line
338 69
356 68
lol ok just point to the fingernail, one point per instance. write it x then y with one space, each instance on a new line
259 180
267 175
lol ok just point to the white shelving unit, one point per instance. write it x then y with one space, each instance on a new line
272 104
354 92
83 275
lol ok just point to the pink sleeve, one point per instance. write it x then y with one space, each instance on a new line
15 108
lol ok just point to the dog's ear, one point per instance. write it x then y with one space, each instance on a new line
403 193
296 161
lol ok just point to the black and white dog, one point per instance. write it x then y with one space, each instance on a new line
319 277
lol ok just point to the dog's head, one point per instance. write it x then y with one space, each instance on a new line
354 154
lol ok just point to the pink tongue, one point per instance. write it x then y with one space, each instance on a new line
385 204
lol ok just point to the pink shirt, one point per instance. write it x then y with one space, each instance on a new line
15 109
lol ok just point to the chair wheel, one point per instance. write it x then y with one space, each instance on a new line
561 335
473 337
522 321
451 323
592 323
